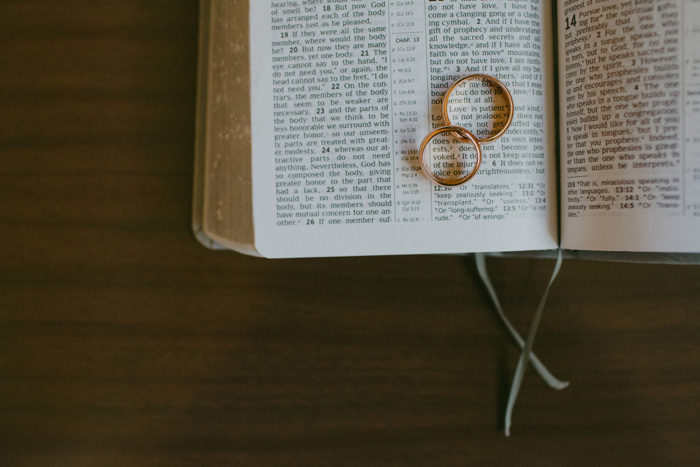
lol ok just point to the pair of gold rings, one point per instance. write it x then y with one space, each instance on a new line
462 133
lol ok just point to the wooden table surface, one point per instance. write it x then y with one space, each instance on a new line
123 342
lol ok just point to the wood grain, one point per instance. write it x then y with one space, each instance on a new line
124 342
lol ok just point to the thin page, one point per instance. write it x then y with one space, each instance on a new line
344 93
630 107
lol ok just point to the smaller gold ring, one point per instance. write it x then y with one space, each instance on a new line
464 135
489 79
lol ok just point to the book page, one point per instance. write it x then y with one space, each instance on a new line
630 114
343 93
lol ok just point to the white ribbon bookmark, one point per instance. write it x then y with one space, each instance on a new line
526 346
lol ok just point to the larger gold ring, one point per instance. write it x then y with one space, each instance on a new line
489 80
464 135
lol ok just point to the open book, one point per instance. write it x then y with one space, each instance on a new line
310 114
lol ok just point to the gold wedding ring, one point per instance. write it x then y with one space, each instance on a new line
490 80
464 135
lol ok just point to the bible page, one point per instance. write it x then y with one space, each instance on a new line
343 93
630 113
